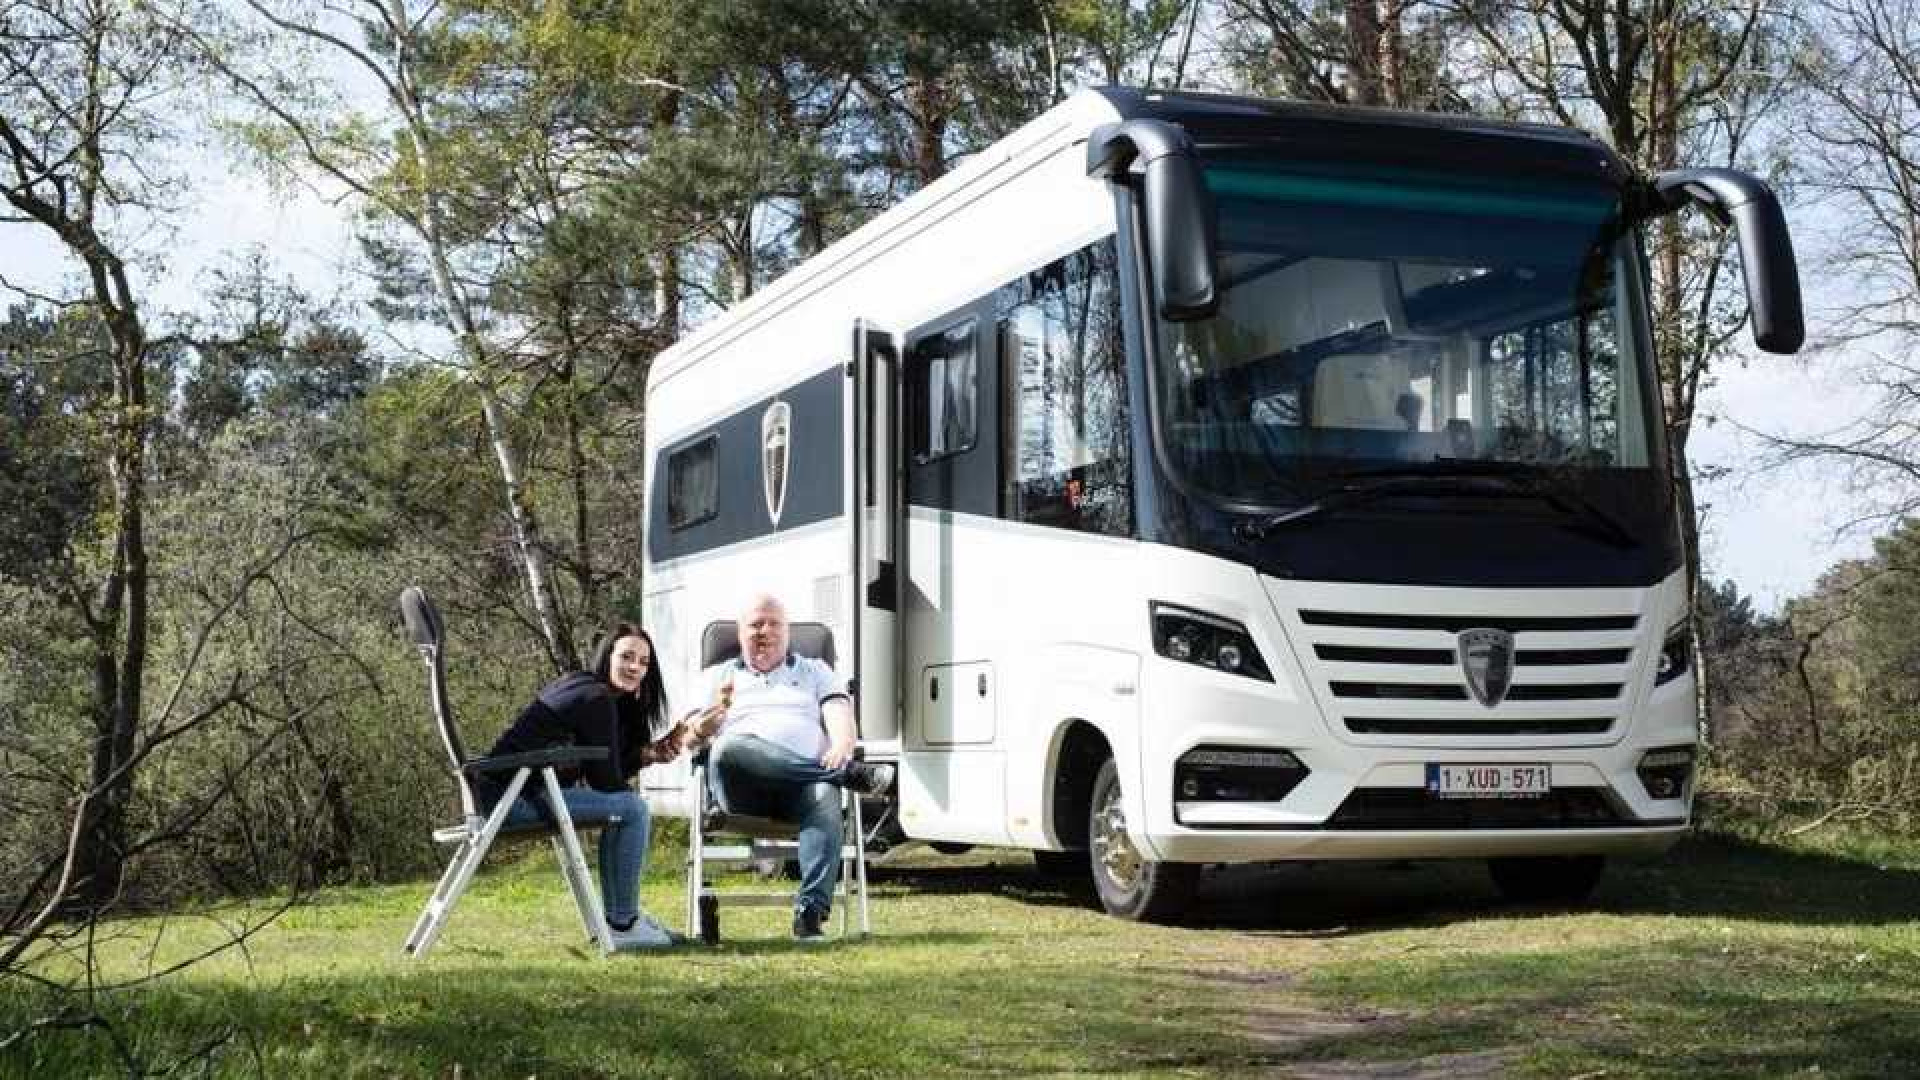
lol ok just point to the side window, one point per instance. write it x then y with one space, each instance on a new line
693 483
1069 462
943 389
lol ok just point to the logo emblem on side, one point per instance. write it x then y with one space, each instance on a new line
1486 656
776 441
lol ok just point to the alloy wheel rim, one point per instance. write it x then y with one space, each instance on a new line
1111 847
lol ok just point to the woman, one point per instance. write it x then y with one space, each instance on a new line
620 705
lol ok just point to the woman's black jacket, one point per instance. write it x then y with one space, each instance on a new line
574 710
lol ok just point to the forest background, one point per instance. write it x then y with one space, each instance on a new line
208 509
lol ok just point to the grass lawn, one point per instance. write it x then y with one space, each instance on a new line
1728 958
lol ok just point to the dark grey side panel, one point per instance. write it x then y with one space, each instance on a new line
814 486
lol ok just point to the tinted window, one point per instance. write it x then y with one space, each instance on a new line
693 483
943 390
1556 390
1069 462
1376 316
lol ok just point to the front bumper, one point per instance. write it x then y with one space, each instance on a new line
1366 801
1240 846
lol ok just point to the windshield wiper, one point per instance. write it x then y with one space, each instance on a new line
1526 481
1259 526
1447 476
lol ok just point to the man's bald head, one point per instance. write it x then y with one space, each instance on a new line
763 632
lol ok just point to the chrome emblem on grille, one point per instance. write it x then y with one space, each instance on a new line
775 441
1486 656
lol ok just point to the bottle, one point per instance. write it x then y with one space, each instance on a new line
709 917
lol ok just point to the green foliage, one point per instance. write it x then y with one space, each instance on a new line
49 482
1816 712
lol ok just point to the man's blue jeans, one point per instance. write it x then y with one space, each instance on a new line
623 847
749 775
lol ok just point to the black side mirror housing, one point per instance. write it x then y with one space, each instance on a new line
1766 248
1181 244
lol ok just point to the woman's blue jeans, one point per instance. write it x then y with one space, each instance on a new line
623 846
749 775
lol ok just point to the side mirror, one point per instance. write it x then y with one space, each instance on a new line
1180 221
1766 248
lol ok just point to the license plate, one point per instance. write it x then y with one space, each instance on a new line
1489 781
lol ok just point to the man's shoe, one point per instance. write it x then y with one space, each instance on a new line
808 926
866 779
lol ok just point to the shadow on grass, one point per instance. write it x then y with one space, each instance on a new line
1706 874
1710 874
1015 878
749 944
750 1014
1703 1008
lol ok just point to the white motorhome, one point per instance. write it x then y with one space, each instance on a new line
1192 479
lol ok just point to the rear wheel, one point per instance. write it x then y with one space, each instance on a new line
1129 884
1546 879
949 847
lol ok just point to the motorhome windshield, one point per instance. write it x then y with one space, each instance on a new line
1374 318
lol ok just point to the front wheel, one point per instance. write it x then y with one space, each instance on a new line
1130 885
1546 879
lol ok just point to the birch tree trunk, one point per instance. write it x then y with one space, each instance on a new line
528 542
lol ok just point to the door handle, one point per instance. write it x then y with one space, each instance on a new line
982 684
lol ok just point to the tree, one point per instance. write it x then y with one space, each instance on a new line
1355 52
1750 651
1862 157
81 109
437 201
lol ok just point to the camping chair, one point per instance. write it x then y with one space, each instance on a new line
476 833
716 837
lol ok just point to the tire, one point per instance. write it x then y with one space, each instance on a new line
1547 879
949 847
1129 885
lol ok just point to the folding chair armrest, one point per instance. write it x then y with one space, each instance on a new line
535 759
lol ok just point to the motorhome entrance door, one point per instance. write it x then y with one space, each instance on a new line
874 508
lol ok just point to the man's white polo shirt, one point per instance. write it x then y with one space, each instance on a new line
781 706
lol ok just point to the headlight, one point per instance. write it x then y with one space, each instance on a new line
1676 653
1195 637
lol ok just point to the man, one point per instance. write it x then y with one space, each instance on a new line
786 733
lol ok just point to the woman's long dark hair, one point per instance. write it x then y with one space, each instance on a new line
652 695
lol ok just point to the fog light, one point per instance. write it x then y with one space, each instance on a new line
1231 774
1179 647
1666 772
1229 657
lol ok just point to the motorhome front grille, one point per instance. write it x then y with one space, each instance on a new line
1525 658
1399 675
1388 725
1448 692
1359 654
1456 623
1414 808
